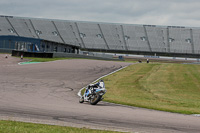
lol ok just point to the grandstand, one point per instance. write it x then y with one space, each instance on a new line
45 35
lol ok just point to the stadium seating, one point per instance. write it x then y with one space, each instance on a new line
156 40
136 40
113 36
68 32
91 36
105 36
196 40
6 28
179 43
46 30
23 27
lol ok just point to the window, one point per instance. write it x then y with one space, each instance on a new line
171 39
150 25
99 36
82 35
65 50
188 40
143 38
55 33
43 45
55 49
126 37
38 32
175 27
11 30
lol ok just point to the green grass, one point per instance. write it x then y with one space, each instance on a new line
21 127
166 87
33 59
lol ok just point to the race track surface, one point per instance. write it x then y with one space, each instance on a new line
47 93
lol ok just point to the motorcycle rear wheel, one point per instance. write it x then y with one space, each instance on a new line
96 98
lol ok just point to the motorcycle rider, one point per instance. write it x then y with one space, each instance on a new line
99 85
93 93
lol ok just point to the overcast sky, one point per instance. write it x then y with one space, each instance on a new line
152 12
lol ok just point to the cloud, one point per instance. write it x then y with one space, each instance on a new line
155 12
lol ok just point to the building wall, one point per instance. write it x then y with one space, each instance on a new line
33 45
18 43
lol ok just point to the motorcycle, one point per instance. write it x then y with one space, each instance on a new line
94 93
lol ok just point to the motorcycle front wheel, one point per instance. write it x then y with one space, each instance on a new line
81 100
95 99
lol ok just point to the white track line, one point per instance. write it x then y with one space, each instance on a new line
79 93
198 115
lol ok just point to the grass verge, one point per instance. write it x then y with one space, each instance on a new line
33 59
22 127
166 87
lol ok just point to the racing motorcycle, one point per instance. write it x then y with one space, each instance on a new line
94 93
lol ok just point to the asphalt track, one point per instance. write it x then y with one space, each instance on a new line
47 93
